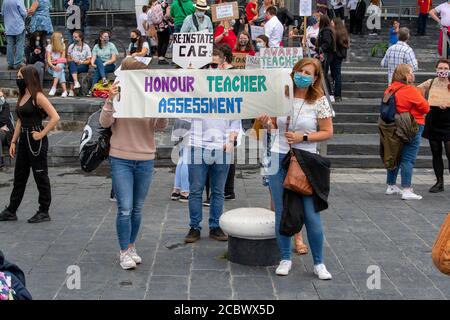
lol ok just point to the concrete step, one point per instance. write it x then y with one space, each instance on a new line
355 128
363 94
371 161
356 118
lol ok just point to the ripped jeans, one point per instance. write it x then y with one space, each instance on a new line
131 181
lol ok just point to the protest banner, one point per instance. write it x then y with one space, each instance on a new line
256 31
207 94
192 50
279 57
252 62
224 11
305 8
239 60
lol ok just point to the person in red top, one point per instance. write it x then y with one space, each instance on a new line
224 34
407 99
423 7
244 45
251 10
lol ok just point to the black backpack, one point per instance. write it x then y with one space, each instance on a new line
20 291
388 108
94 143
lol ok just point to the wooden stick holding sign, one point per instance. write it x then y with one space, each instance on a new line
225 11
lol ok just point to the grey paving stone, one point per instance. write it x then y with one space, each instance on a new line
167 288
253 288
210 285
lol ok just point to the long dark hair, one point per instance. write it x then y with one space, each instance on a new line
32 83
140 41
99 39
341 34
32 40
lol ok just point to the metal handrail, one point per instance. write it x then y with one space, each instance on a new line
112 13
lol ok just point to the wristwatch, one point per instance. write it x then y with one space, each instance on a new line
305 137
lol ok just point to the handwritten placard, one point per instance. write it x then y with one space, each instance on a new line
225 11
239 60
305 8
256 31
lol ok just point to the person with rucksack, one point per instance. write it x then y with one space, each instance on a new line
408 99
198 21
437 122
6 127
12 281
179 10
161 20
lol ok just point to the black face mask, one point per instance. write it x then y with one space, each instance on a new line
21 84
133 40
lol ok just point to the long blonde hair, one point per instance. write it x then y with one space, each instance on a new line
57 43
315 91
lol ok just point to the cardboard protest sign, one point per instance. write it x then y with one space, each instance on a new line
239 60
439 95
225 11
279 57
192 50
256 31
207 94
305 8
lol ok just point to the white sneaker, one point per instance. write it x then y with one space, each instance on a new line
393 190
284 268
71 93
64 94
332 99
133 254
126 262
52 92
76 85
321 271
408 194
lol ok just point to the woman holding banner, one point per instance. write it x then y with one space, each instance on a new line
310 122
132 155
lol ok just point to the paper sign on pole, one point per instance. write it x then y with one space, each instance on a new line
239 60
192 50
305 7
225 11
279 57
206 94
256 31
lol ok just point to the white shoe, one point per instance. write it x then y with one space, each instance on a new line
52 92
71 93
126 262
284 268
321 271
64 94
133 254
332 99
408 194
76 85
393 190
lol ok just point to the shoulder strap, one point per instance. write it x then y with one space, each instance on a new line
195 21
391 93
427 93
181 7
288 121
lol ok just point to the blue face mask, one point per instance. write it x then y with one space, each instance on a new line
200 14
302 81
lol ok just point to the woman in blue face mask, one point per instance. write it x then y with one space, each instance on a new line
309 122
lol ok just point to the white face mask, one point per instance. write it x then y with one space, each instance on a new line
2 100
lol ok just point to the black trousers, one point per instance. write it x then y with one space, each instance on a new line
3 144
24 161
359 25
339 13
422 23
436 151
163 42
326 64
352 21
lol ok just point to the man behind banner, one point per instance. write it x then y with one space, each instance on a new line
210 146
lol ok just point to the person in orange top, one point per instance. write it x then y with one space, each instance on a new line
407 99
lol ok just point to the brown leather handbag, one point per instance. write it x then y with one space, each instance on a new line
296 179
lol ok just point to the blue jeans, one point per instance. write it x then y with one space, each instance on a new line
131 181
312 220
74 68
336 74
15 49
61 75
182 172
407 161
202 162
101 71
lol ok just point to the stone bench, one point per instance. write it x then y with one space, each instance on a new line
251 236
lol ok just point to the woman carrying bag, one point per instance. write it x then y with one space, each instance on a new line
310 122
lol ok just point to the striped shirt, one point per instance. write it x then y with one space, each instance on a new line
399 53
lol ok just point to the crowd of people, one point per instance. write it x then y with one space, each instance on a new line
205 161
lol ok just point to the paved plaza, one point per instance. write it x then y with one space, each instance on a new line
363 228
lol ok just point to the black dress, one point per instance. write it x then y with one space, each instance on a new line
437 124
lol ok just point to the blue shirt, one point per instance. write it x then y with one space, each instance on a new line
14 14
393 37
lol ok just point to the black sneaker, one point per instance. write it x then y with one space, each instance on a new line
230 197
218 234
39 217
183 199
206 203
175 196
163 62
337 99
192 236
7 215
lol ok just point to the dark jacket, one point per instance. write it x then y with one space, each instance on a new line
285 17
360 11
317 170
4 120
17 277
326 41
390 144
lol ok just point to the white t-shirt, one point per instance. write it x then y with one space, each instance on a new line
144 45
55 55
304 119
444 12
142 17
274 31
79 53
311 32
